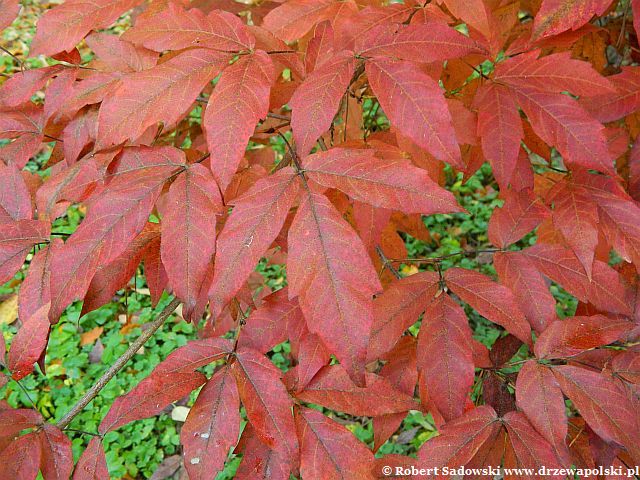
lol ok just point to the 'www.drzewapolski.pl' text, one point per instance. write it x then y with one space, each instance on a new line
493 471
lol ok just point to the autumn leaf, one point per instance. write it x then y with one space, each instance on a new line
490 299
328 450
606 409
326 255
239 101
446 335
188 237
459 440
382 183
317 100
556 16
160 94
255 222
212 427
267 403
414 103
92 465
62 27
175 28
539 396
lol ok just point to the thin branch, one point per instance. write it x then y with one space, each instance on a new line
292 152
26 392
82 432
278 116
273 129
386 263
203 158
152 327
20 62
444 257
279 52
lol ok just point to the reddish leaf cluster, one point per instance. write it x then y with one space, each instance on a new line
523 85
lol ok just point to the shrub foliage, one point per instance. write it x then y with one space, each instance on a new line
212 135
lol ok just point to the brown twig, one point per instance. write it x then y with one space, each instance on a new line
118 364
444 257
386 263
13 55
278 116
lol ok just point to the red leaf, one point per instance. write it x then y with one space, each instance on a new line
555 73
312 356
370 222
62 27
115 275
571 336
259 461
113 221
474 12
57 458
71 184
330 271
160 94
267 402
117 55
19 88
398 308
395 185
490 299
277 319
557 16
605 290
423 43
315 103
575 216
529 288
539 396
154 271
92 465
79 133
560 121
294 18
328 450
29 343
14 420
500 130
239 101
171 380
332 388
35 291
321 46
188 234
445 334
175 28
195 354
460 439
627 366
521 213
402 372
21 459
619 215
16 239
9 10
530 448
415 104
609 107
606 409
254 224
212 427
